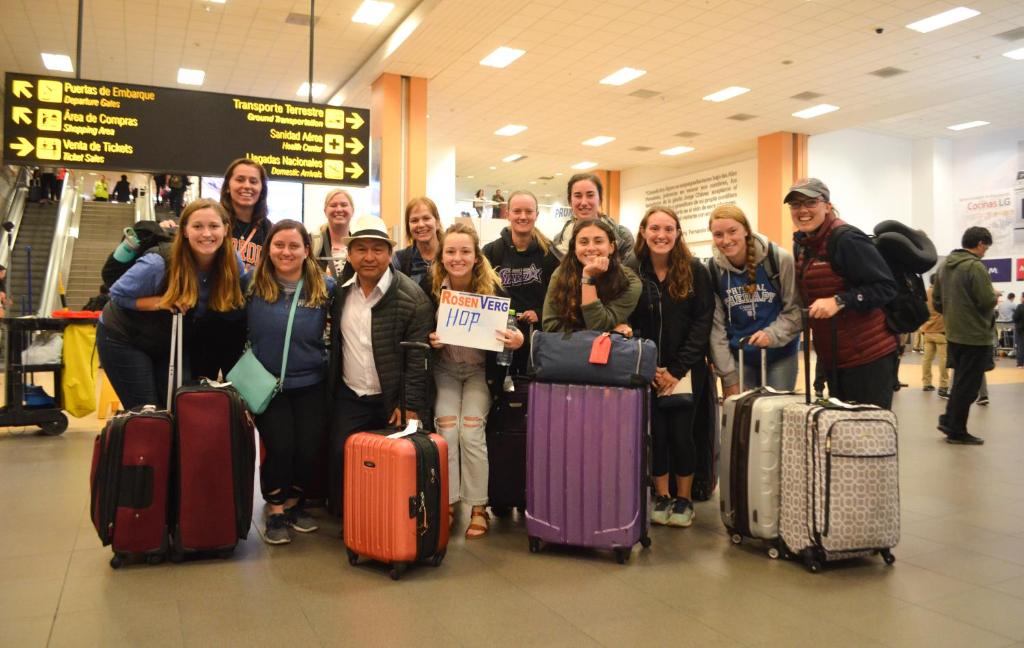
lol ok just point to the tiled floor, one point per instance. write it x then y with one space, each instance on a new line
958 579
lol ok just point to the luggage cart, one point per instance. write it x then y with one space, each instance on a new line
51 420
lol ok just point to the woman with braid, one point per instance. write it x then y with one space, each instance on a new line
756 299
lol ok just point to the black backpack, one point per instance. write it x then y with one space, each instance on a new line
151 237
908 253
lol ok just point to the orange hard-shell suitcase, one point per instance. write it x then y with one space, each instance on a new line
396 495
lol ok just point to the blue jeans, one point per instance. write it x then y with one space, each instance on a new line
781 373
138 378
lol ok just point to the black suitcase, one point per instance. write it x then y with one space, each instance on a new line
506 449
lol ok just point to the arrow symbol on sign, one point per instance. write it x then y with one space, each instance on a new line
354 145
22 89
23 147
21 115
355 120
354 170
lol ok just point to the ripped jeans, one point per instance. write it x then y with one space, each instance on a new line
463 401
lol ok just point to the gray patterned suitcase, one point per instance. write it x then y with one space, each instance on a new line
839 489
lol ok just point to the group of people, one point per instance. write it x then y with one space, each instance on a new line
234 275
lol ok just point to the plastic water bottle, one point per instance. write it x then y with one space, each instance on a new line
505 356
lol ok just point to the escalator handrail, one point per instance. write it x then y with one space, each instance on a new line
144 210
15 209
70 205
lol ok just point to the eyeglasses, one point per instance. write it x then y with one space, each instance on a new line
809 203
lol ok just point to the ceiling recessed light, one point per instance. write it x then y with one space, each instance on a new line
492 168
372 12
502 57
557 174
533 182
677 150
966 125
470 177
218 1
191 77
1016 55
815 111
726 94
318 89
600 140
623 76
510 129
944 19
515 157
58 62
584 165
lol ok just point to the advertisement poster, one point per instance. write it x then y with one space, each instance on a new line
472 320
999 270
993 211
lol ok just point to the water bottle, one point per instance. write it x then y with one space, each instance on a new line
505 355
129 247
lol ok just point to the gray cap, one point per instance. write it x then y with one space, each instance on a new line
808 187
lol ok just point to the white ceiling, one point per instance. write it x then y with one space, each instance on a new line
690 48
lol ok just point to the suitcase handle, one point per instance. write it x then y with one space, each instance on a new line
743 342
806 323
174 366
405 345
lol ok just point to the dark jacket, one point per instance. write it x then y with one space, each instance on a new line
403 314
1018 319
964 295
682 328
411 263
525 275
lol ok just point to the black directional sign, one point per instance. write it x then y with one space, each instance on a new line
53 121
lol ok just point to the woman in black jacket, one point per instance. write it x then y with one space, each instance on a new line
675 310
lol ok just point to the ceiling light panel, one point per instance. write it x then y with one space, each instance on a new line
726 94
58 62
502 57
372 12
509 130
944 19
966 125
1016 55
318 89
515 157
815 111
583 166
623 76
677 150
191 77
600 140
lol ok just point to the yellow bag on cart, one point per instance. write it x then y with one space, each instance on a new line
81 362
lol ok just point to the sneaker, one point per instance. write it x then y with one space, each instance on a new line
928 388
945 429
300 520
965 439
277 530
682 513
662 507
982 401
943 393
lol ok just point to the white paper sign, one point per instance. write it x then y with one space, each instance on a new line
470 320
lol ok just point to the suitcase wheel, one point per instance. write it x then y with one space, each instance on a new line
353 557
116 561
736 538
501 511
224 554
177 557
645 541
887 556
534 545
397 569
622 555
774 553
436 559
154 559
812 564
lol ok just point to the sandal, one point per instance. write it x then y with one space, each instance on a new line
478 529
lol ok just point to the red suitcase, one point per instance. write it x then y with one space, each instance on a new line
396 495
129 483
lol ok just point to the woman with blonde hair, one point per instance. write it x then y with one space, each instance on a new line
329 249
674 310
198 277
423 232
294 423
465 377
756 300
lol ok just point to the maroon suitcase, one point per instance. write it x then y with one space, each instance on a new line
129 484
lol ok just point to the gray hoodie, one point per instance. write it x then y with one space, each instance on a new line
744 319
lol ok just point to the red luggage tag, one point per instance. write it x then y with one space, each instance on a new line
601 349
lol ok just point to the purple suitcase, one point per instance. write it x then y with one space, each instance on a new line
586 467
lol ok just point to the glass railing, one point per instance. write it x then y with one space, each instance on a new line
14 209
144 209
65 233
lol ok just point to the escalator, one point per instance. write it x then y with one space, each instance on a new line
30 257
99 231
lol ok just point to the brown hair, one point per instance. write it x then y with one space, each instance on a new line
732 212
264 284
484 280
680 272
566 289
259 210
543 242
579 177
183 273
432 208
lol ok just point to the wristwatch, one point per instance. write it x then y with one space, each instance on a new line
588 281
840 302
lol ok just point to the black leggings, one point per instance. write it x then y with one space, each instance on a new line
672 430
292 428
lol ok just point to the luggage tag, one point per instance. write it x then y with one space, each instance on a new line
601 349
412 428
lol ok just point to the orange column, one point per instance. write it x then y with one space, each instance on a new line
781 160
398 128
610 195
